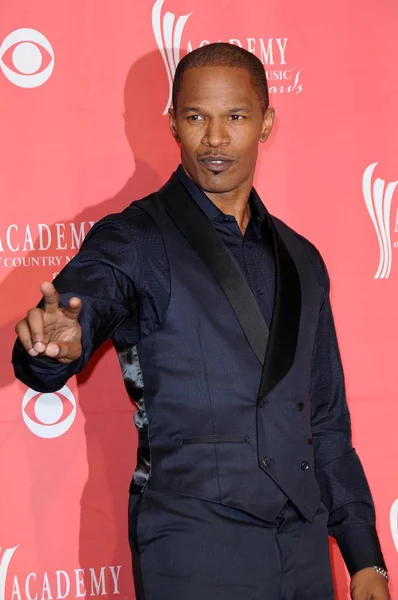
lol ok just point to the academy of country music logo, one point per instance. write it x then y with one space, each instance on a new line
378 195
272 52
394 523
41 244
49 415
79 583
26 58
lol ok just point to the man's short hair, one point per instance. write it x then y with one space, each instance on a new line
222 54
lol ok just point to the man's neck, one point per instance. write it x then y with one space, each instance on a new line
235 204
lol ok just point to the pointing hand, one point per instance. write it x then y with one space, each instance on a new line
52 331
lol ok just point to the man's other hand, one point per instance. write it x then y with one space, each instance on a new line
367 584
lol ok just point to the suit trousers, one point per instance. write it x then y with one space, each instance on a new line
185 548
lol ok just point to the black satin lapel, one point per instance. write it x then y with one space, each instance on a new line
199 232
285 323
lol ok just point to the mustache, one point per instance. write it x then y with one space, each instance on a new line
216 155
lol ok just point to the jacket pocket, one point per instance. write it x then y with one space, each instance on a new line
216 439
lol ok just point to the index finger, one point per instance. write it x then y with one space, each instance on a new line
50 296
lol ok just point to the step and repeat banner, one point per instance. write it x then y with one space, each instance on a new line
84 91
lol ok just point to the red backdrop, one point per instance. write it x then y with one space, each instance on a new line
83 89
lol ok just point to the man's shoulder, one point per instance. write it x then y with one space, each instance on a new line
309 249
132 217
129 227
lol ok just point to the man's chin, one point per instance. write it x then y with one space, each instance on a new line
212 182
215 183
218 188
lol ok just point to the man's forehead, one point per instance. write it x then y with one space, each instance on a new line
201 84
217 72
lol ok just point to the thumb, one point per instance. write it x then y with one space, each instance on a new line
64 351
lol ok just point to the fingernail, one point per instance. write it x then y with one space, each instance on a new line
39 346
52 351
32 352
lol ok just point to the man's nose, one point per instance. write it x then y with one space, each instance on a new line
216 134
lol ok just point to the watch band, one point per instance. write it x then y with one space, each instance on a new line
381 571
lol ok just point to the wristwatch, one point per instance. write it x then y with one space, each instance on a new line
381 571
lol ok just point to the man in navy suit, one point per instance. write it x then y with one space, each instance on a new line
221 317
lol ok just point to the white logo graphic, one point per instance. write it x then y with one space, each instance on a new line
4 564
378 197
27 57
272 52
46 419
79 583
394 523
168 36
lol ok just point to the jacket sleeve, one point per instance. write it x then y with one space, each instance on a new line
102 274
344 487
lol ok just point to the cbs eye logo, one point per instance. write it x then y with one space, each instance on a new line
49 415
26 58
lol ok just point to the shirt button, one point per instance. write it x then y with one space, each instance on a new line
260 292
305 466
267 462
300 406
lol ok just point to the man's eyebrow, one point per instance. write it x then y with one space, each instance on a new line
242 108
186 109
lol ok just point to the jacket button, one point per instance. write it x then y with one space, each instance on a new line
261 403
300 406
267 462
305 466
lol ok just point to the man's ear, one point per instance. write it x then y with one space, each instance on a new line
268 123
173 124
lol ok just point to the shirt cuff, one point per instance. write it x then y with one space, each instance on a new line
360 547
41 373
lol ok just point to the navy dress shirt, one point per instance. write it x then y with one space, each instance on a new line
253 251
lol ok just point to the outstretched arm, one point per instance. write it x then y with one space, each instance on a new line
90 298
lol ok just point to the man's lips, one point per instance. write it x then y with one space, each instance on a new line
216 163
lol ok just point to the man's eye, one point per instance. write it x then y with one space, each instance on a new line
237 117
195 118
